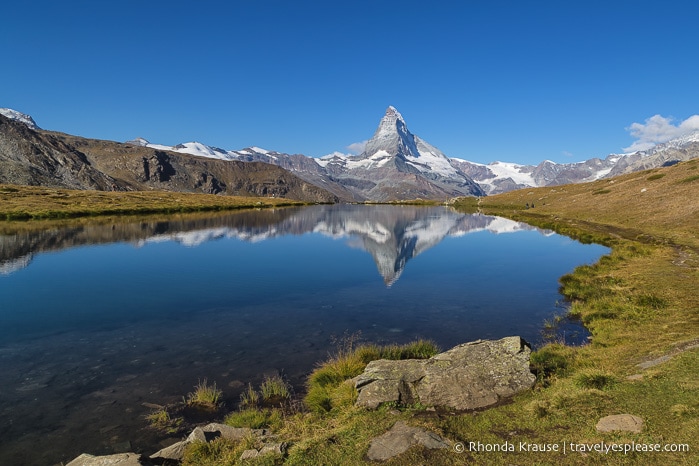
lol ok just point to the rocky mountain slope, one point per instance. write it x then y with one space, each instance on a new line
499 177
36 157
395 165
399 165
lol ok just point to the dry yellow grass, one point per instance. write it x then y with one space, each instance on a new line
31 202
662 203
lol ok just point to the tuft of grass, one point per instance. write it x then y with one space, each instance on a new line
249 398
205 395
161 420
657 176
275 390
689 179
255 418
419 349
594 379
652 301
551 361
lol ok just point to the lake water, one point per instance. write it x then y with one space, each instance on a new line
98 319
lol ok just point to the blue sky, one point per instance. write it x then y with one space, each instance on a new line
519 81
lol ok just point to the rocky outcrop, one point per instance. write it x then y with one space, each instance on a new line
469 376
400 438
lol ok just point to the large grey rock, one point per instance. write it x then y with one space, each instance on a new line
469 376
121 459
620 422
400 438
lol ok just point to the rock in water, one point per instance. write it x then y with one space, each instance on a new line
469 376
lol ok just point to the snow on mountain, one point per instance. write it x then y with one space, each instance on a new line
19 116
397 164
392 138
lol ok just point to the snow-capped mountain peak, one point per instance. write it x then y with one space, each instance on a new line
392 136
19 116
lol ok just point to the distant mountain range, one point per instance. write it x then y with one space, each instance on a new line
395 165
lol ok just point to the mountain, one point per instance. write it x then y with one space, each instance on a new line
37 157
499 177
395 165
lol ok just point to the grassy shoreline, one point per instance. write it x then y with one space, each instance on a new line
42 203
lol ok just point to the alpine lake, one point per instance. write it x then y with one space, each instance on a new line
102 322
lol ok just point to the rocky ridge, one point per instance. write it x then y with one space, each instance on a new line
45 158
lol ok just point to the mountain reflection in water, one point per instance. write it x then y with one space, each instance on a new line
391 234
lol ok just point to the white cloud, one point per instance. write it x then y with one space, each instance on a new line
658 129
357 147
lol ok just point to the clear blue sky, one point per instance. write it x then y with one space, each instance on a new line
520 81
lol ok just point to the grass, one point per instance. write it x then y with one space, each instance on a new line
162 420
205 395
275 389
327 389
39 203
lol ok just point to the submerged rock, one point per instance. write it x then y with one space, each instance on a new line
469 376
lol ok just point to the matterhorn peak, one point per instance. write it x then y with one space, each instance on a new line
392 136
